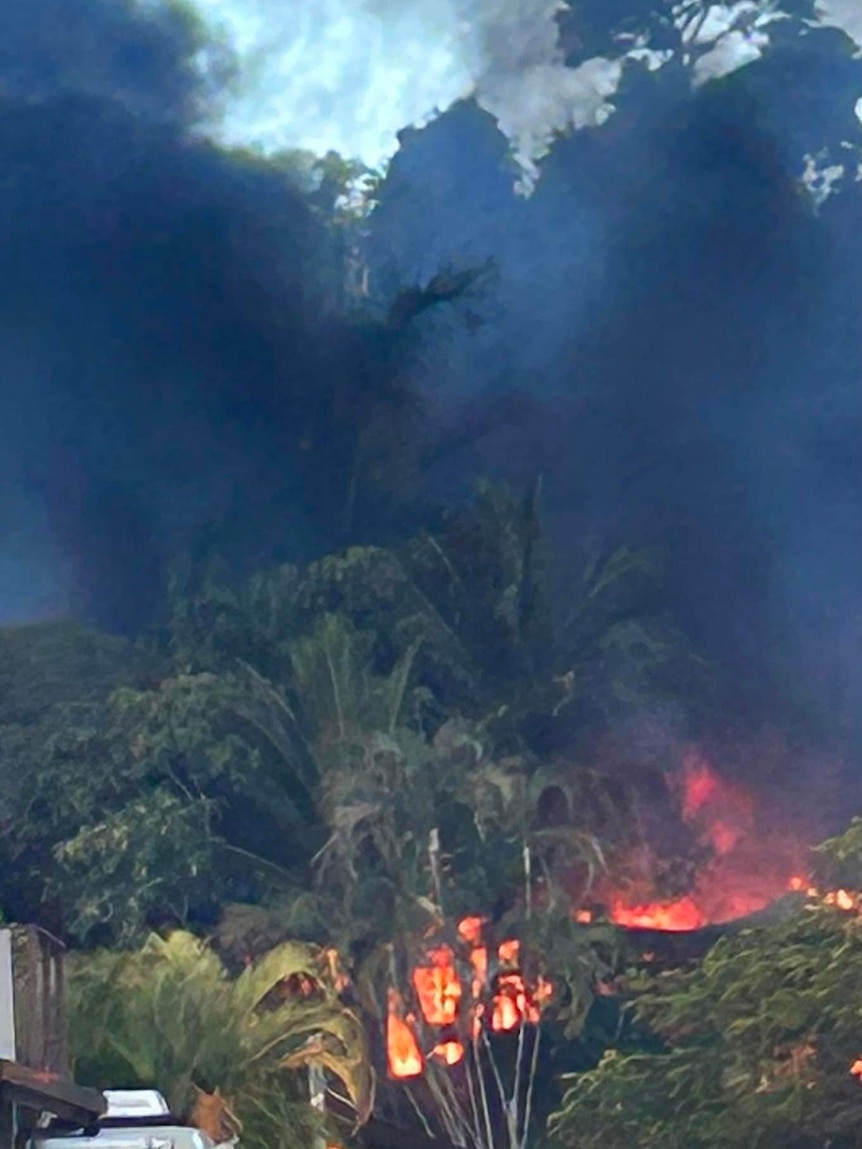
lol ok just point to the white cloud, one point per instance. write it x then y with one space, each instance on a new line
819 180
846 14
349 74
333 74
733 51
716 21
531 104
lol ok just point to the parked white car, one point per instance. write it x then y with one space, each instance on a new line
135 1119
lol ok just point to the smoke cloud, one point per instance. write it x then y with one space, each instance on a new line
689 320
351 74
156 360
673 336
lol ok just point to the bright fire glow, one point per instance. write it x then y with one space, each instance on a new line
449 1051
679 915
750 866
437 987
402 1048
511 1002
470 929
840 899
509 952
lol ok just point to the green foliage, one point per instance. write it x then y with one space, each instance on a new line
472 601
333 672
618 644
576 958
154 852
483 574
57 680
840 858
44 666
133 799
380 807
299 736
168 1016
759 1036
53 677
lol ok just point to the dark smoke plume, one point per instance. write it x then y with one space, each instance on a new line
674 338
162 355
685 335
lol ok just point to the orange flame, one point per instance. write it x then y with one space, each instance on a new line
479 961
719 811
402 1048
747 870
510 1003
841 899
677 916
509 951
438 988
470 929
439 993
515 1004
449 1051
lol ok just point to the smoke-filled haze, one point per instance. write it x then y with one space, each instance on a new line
673 334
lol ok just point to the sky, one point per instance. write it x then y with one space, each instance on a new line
348 75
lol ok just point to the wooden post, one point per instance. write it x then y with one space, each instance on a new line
33 1050
37 965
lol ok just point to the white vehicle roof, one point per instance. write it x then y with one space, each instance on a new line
140 1106
138 1103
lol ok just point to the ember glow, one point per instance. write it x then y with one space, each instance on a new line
457 995
751 864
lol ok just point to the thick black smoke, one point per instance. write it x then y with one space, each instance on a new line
163 358
689 330
673 339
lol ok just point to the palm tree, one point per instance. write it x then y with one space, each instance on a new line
170 1016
